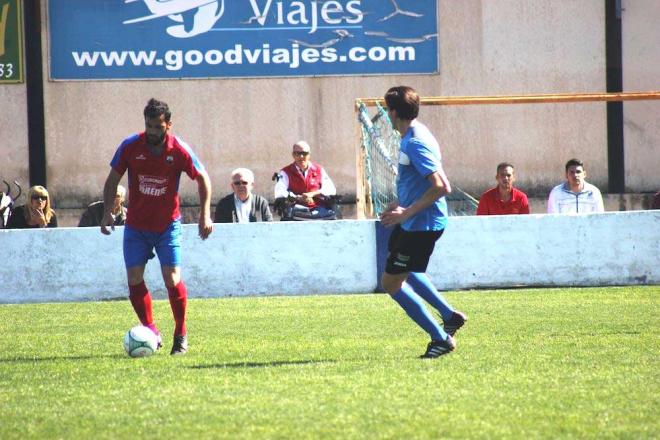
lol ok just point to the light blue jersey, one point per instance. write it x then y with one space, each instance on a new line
419 157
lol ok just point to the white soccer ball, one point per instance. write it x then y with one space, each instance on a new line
140 341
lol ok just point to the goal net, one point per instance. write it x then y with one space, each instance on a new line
378 161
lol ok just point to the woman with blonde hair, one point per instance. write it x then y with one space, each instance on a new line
36 213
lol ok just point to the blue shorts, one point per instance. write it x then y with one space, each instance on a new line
139 246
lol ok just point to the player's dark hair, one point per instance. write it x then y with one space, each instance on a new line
155 108
404 100
574 163
503 165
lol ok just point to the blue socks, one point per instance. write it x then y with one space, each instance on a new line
423 286
415 308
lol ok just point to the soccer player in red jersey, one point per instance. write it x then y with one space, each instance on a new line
504 199
155 160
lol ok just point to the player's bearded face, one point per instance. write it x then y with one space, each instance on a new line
155 139
156 129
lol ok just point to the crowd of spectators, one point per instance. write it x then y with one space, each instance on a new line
307 187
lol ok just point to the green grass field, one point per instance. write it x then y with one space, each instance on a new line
533 363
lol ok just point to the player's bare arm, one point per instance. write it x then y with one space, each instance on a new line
440 187
109 193
204 189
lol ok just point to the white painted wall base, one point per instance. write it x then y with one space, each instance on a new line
289 258
80 264
618 248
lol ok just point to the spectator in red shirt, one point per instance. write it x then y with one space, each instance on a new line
504 199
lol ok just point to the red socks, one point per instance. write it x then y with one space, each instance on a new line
141 301
178 299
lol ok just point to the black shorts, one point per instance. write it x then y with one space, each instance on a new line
410 251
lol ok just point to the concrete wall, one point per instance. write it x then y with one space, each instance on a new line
503 47
641 68
76 264
549 250
13 138
521 47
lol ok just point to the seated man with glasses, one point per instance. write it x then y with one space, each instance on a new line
242 206
303 190
94 212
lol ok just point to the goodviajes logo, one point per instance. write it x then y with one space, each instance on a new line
199 16
195 16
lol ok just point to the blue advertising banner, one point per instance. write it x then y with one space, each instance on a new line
160 39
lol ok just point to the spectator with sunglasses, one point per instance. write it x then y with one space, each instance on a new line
305 182
36 213
242 205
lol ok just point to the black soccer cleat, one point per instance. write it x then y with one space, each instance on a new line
454 323
439 347
180 345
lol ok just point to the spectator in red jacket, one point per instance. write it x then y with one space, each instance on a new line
304 181
504 199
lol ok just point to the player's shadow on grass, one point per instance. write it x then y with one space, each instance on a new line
59 358
263 364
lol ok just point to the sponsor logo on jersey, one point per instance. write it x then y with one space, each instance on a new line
152 185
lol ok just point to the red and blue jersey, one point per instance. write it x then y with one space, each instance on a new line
153 180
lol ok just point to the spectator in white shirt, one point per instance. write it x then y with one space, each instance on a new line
576 195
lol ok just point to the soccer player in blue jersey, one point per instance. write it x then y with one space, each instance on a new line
419 217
